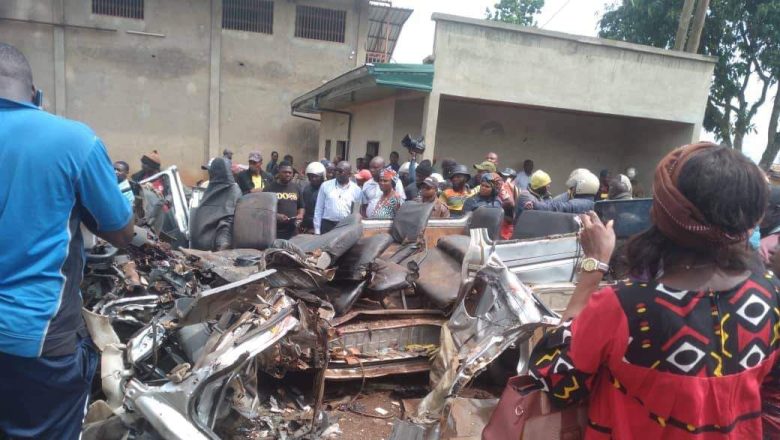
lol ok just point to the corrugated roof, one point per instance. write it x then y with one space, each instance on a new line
384 28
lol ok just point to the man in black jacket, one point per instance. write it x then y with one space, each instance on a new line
253 179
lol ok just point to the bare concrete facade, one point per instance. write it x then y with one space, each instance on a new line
564 101
176 81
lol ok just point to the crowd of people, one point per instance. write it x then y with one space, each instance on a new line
328 191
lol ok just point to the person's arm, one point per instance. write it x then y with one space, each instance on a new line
400 190
299 214
567 359
104 210
319 208
598 241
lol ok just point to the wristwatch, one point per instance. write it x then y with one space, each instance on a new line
593 265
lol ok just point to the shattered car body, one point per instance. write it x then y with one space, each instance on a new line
184 333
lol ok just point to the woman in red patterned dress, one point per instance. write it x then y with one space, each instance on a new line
684 349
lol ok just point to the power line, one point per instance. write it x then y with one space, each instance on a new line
555 14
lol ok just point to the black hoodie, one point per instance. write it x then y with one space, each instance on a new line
211 223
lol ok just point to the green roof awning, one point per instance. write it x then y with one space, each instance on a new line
365 83
403 76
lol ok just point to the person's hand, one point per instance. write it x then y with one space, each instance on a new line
597 239
281 218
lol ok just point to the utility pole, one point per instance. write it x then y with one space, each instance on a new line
682 28
699 17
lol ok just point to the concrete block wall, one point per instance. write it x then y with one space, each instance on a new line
176 81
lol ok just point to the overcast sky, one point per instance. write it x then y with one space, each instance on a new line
571 16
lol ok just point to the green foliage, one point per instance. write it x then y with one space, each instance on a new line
515 11
743 35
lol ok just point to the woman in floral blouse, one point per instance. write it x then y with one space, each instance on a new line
390 201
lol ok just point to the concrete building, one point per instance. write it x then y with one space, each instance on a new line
191 77
565 101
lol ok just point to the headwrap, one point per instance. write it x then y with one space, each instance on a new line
675 216
389 173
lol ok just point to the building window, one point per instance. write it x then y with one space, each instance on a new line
248 15
119 8
372 149
320 23
327 149
341 150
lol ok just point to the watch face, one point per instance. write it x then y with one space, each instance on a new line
589 264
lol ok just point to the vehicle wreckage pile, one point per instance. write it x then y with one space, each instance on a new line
184 334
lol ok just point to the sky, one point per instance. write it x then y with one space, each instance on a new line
570 16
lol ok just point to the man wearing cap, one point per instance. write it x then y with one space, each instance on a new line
456 196
253 179
429 193
538 190
421 172
150 165
482 168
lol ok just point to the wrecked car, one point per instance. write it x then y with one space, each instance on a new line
184 334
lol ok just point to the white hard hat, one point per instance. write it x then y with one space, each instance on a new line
625 181
575 177
315 168
404 168
587 183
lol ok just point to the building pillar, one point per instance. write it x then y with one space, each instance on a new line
58 35
430 122
215 59
362 7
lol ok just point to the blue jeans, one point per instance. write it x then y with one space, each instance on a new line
46 397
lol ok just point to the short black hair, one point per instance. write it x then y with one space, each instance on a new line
284 163
123 164
288 156
394 153
14 66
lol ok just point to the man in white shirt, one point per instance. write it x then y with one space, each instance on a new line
371 191
335 199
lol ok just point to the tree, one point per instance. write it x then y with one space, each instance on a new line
736 33
521 12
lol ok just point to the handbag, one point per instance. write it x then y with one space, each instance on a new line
524 412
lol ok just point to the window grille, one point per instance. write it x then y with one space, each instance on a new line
248 15
320 23
119 8
341 149
372 149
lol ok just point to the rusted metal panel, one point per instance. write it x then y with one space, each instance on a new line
374 371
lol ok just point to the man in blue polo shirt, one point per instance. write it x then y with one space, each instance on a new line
56 175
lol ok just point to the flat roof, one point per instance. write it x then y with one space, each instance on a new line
622 45
417 77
